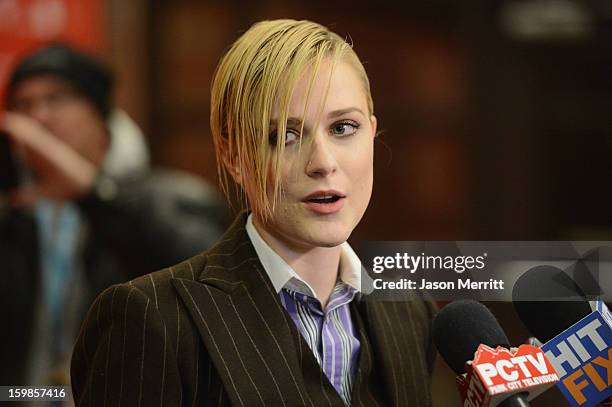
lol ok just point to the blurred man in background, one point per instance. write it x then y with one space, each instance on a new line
86 210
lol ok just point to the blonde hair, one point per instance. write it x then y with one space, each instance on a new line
260 69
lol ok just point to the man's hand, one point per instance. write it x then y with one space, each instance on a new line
60 172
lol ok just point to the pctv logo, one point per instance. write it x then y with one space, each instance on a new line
582 357
496 374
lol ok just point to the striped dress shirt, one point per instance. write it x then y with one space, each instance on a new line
329 332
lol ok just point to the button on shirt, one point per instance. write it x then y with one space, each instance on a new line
329 332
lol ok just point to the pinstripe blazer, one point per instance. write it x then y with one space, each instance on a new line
211 331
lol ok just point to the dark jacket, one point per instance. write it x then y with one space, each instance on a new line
132 226
211 331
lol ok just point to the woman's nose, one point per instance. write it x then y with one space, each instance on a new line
321 157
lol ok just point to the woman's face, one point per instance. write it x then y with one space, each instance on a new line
326 183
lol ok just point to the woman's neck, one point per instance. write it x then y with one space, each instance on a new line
318 266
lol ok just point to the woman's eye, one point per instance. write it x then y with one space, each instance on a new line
291 136
344 128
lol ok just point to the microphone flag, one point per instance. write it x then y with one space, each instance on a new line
496 374
582 357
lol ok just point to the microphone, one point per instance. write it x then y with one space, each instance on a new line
490 373
577 335
548 301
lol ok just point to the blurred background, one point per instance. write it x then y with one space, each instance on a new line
496 116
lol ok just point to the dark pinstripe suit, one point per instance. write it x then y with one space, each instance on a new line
211 331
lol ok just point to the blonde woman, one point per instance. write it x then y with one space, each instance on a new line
273 315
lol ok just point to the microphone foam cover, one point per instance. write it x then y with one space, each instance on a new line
548 301
460 327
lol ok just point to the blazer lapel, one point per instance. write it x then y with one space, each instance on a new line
243 326
368 386
391 365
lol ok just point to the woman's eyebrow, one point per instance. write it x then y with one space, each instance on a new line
291 121
340 112
295 121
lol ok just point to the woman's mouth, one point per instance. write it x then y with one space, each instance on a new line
325 202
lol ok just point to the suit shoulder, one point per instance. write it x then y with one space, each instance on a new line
151 283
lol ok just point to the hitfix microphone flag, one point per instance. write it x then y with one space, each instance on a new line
578 334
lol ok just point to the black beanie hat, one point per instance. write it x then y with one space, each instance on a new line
91 78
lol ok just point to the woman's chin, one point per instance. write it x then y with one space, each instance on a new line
329 238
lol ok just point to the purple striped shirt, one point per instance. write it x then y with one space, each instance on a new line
329 332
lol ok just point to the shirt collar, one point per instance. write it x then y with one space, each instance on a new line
283 276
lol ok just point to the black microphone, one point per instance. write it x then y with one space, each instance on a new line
548 301
460 328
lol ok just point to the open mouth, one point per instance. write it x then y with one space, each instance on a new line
325 202
325 199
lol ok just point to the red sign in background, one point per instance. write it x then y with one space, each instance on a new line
27 24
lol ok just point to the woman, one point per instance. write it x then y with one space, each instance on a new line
273 314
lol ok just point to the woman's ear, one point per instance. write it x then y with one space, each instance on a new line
230 163
373 124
